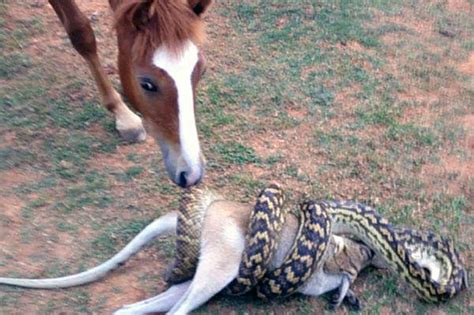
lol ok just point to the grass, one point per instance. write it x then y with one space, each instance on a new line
236 153
14 64
11 157
358 100
106 243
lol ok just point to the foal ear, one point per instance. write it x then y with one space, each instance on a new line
199 6
140 14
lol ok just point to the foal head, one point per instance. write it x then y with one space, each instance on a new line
160 66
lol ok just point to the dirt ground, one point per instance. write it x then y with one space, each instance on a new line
393 163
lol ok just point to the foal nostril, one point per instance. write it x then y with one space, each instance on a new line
182 182
187 179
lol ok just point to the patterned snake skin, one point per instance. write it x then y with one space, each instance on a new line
429 263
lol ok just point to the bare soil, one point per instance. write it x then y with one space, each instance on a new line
125 285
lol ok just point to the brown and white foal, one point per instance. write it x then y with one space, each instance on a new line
159 65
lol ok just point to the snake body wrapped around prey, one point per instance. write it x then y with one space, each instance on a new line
428 262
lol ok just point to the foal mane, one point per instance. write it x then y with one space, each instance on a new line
152 23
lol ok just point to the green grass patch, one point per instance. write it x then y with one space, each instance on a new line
66 227
448 212
14 64
94 192
69 154
37 186
79 301
412 135
246 183
60 113
114 236
130 173
12 157
235 153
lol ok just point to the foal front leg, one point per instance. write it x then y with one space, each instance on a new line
82 37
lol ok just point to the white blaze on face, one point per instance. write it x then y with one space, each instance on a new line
180 68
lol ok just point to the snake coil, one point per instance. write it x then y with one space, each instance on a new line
429 263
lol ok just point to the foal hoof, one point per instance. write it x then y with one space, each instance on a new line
133 135
129 125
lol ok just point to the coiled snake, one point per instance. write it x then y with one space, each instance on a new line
428 262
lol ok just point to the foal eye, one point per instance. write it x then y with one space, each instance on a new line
148 85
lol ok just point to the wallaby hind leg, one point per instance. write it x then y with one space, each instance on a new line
160 303
82 37
221 252
222 244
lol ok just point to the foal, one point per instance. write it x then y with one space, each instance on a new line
159 65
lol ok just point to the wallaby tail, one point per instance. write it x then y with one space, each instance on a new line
166 224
